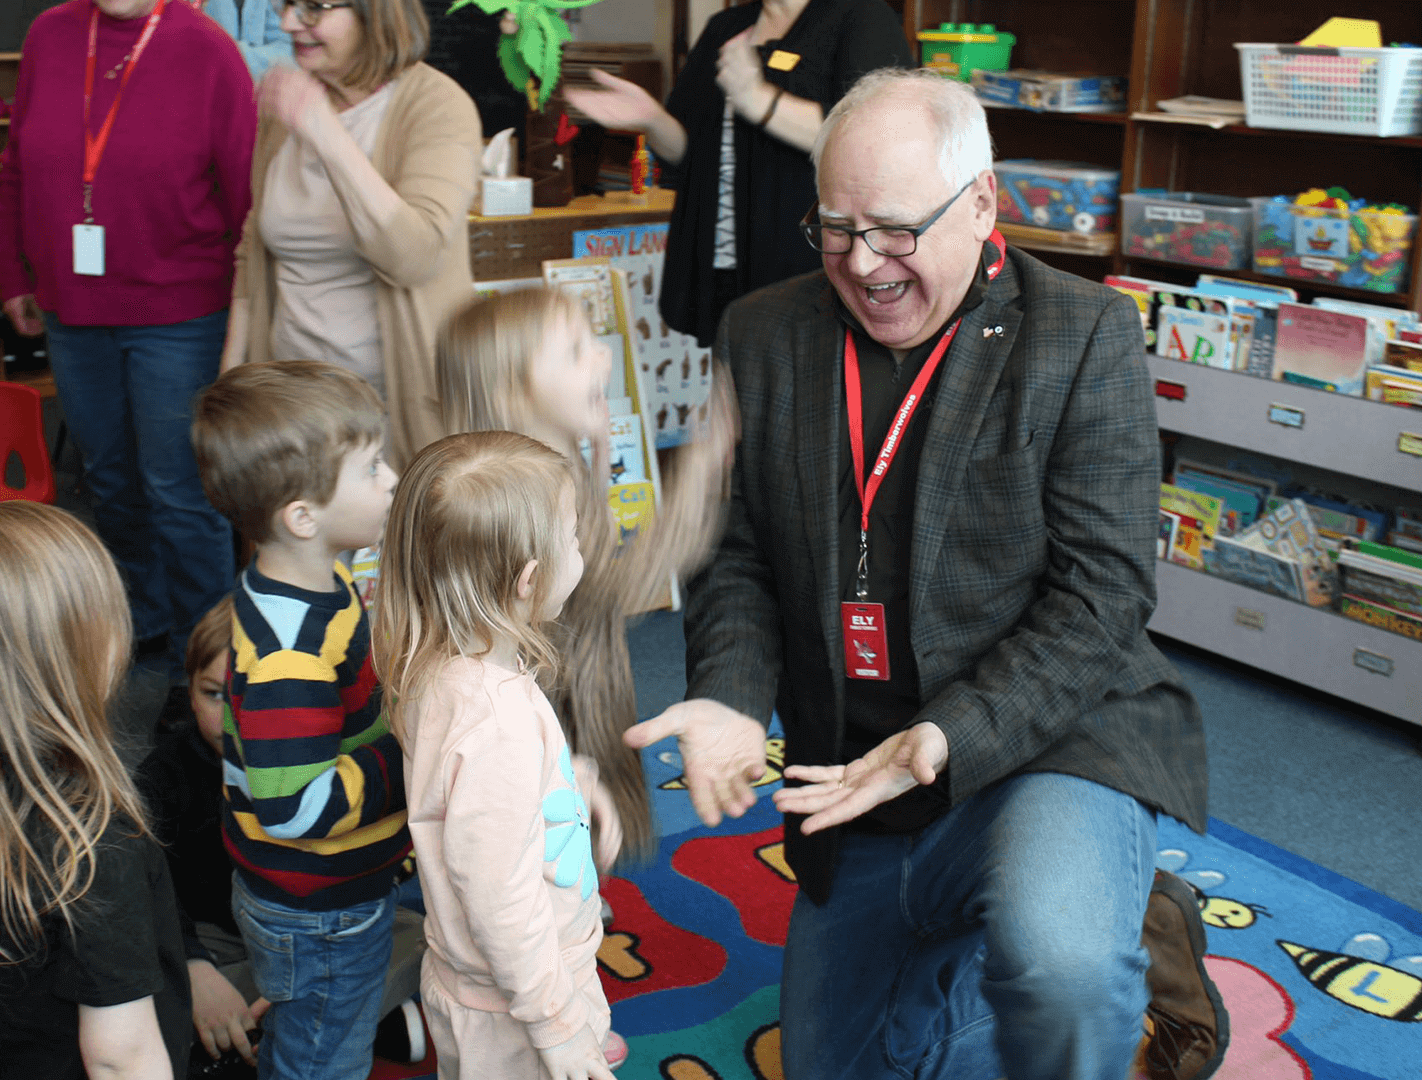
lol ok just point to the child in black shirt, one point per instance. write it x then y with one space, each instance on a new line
92 977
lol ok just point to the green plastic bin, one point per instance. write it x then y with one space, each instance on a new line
956 50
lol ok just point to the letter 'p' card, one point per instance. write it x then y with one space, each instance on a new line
866 643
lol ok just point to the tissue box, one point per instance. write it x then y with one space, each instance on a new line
505 196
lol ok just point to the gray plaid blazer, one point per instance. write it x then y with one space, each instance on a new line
1033 566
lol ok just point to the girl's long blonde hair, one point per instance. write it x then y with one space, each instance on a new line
483 355
65 638
482 361
469 514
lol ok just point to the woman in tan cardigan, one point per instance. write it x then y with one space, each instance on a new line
356 246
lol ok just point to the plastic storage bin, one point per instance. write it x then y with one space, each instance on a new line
1353 91
958 49
1045 91
1062 195
1362 249
1181 227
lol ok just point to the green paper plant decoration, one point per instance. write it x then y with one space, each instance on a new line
535 51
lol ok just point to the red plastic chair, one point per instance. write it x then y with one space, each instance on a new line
22 433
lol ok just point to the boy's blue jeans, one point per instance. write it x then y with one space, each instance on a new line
324 973
127 393
1002 940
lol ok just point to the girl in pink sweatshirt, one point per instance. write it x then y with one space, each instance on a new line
481 550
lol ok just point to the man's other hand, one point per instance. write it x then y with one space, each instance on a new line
834 794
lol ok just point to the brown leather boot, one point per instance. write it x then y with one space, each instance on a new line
1190 1025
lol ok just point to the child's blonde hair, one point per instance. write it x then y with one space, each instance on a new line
211 638
483 354
267 434
65 638
469 514
482 360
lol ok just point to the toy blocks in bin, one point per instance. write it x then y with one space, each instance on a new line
1352 91
1186 228
1358 247
1045 91
1062 195
956 50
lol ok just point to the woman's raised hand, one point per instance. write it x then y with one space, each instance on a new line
293 98
739 76
617 104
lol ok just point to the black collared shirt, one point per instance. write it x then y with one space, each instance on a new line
874 710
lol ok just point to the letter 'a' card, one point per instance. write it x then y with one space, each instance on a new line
866 642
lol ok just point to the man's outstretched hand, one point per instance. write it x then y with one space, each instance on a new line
834 794
722 753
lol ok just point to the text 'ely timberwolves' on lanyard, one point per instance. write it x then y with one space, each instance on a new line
866 646
88 237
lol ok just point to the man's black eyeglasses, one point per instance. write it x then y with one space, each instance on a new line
893 241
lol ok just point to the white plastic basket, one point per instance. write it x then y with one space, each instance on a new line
1352 91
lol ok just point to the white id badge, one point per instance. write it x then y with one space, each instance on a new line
89 250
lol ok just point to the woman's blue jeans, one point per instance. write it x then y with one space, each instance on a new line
1002 940
127 394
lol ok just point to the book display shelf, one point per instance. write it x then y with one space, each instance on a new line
1170 48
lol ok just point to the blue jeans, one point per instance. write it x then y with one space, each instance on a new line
1002 940
324 973
127 394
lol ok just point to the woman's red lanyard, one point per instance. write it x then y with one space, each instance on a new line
866 653
89 238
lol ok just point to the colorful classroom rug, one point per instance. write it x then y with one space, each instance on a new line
1322 977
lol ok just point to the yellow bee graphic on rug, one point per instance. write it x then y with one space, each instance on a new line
1357 976
774 766
1221 912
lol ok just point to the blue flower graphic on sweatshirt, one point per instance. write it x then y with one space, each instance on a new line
569 842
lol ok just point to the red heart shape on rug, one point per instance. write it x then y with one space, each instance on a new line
566 132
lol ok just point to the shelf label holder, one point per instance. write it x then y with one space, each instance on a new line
1409 443
1250 619
1171 391
1377 663
1286 415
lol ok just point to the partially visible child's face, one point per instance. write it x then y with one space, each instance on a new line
205 696
570 555
355 516
567 379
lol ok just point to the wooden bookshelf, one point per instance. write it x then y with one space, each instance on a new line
1169 48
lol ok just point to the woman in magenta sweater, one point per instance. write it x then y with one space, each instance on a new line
116 237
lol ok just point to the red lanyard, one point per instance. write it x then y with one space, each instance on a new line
854 402
94 144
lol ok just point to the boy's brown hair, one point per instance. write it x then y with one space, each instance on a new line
268 434
211 637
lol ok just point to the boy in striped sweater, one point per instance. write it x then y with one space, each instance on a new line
314 812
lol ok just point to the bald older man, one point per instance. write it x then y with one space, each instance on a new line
938 567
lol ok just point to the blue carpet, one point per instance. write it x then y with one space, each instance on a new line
1323 976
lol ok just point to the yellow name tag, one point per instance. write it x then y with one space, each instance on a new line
780 60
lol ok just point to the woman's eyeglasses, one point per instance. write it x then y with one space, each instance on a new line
308 12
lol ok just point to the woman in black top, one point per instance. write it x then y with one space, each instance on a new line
769 71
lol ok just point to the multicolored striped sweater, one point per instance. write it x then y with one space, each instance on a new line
314 815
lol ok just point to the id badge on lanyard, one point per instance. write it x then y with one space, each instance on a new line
89 237
866 637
